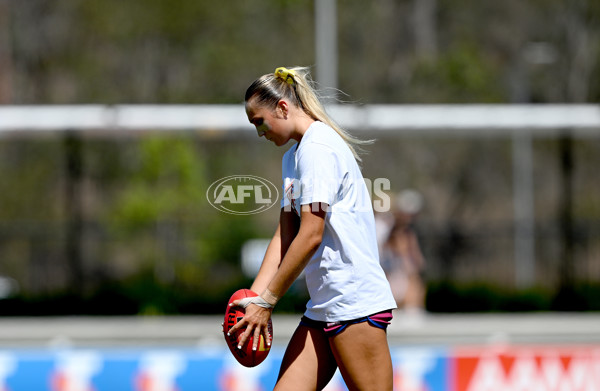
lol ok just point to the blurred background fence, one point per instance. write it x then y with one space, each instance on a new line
111 214
99 219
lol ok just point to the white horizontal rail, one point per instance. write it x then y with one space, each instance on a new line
422 119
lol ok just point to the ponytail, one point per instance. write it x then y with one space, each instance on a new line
295 85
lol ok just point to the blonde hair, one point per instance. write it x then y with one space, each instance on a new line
298 88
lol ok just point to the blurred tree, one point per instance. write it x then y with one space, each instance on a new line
155 51
74 51
31 211
6 66
161 211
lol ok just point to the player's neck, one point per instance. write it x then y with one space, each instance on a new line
302 124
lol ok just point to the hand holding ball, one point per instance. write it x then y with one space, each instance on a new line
244 355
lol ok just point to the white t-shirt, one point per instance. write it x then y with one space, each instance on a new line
344 278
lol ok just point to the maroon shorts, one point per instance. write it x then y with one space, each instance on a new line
380 320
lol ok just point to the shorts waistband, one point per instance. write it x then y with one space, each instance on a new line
380 320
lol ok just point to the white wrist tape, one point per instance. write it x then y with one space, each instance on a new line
259 301
270 297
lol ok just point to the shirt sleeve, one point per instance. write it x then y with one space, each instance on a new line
320 174
287 173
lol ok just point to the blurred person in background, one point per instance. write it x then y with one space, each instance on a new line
401 255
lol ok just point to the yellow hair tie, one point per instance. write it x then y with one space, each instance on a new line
285 74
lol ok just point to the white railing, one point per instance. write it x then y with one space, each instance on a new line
460 120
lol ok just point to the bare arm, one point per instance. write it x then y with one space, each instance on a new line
299 252
287 229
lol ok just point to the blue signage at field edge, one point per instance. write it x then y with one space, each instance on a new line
206 369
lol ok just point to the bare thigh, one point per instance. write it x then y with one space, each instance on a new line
308 363
363 356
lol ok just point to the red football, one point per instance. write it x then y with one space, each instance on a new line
245 356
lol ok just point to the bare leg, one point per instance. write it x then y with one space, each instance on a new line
363 356
308 364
